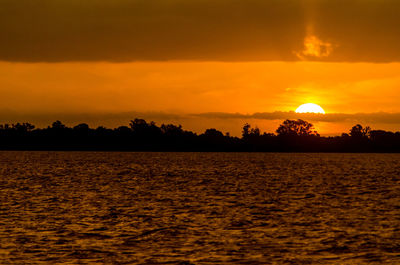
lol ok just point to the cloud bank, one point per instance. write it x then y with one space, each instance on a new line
204 30
364 118
123 118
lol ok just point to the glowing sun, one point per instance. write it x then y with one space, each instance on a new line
310 108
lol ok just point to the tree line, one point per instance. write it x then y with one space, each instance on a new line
290 136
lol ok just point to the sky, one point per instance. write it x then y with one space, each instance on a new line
201 63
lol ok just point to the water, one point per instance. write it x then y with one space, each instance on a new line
199 208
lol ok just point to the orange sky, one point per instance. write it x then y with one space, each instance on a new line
196 87
201 63
182 88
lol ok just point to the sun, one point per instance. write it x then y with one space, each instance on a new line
310 108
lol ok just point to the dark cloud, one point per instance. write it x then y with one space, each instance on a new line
225 30
123 118
364 118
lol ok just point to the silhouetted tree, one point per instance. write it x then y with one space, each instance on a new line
268 134
255 132
358 131
138 124
58 125
377 135
171 130
246 130
83 127
293 136
296 128
249 132
213 133
24 127
367 131
143 129
4 127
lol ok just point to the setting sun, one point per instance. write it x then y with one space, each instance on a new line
310 108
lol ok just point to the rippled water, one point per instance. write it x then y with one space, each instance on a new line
199 208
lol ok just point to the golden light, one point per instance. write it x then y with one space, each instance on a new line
310 108
314 47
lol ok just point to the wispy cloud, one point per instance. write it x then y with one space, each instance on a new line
315 48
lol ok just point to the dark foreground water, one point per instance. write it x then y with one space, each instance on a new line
199 208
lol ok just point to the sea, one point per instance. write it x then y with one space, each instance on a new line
199 208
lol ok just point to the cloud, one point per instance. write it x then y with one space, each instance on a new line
364 118
315 48
123 118
204 30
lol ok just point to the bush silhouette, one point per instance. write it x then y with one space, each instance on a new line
291 136
296 128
